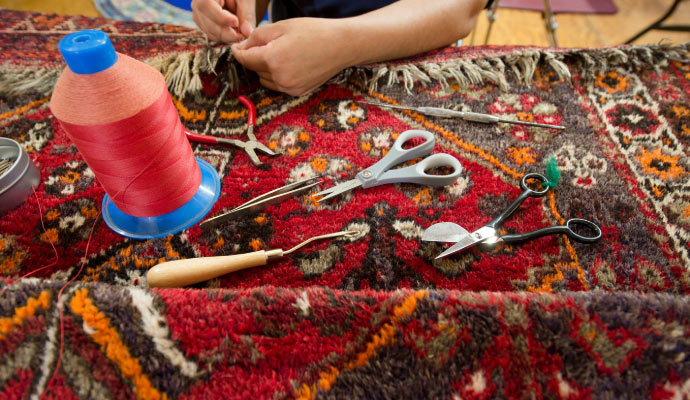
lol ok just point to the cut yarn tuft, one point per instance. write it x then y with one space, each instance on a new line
553 174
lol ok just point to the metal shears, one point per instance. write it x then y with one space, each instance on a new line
250 146
489 234
381 172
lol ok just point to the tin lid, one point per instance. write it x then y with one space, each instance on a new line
9 149
16 182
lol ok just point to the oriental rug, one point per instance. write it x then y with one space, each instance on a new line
375 316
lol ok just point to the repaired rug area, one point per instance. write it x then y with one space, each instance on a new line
375 316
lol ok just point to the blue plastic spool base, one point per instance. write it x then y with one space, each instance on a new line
173 222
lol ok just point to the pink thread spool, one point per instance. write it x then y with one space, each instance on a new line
119 114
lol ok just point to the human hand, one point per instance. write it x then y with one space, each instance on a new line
297 55
225 20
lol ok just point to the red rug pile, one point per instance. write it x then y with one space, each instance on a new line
376 316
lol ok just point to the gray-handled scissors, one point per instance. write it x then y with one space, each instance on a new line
489 234
381 173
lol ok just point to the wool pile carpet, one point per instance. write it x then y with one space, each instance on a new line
375 316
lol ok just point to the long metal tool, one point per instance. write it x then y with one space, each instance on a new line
465 115
260 202
186 272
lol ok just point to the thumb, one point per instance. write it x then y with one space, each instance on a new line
260 37
246 13
253 58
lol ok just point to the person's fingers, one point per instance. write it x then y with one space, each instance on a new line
265 75
268 84
261 36
246 27
195 18
214 31
228 34
252 58
215 13
230 5
204 26
246 12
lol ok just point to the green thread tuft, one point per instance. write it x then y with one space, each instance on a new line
553 174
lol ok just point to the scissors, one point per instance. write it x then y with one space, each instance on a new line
381 172
250 146
465 115
489 234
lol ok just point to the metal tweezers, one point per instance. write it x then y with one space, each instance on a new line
260 202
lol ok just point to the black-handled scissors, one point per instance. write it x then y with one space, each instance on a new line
489 234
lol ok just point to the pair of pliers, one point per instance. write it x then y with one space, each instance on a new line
250 146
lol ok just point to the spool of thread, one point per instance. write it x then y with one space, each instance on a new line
119 114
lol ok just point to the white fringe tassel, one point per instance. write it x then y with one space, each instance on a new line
182 71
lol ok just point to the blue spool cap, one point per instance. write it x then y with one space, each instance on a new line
87 52
173 222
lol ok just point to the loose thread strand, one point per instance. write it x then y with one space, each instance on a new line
40 212
59 296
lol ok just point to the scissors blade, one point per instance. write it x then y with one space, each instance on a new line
337 189
444 232
485 234
465 242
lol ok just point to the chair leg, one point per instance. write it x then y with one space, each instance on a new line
657 24
550 23
492 14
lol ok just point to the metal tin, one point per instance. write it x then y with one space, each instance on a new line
16 182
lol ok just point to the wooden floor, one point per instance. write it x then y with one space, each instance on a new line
513 27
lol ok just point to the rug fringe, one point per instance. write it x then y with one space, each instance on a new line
182 71
15 80
522 65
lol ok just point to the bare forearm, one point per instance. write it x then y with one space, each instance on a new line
406 27
297 55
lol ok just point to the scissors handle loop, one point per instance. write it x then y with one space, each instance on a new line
371 176
380 173
417 173
527 192
582 238
564 229
534 193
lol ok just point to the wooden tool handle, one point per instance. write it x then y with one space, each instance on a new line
193 270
